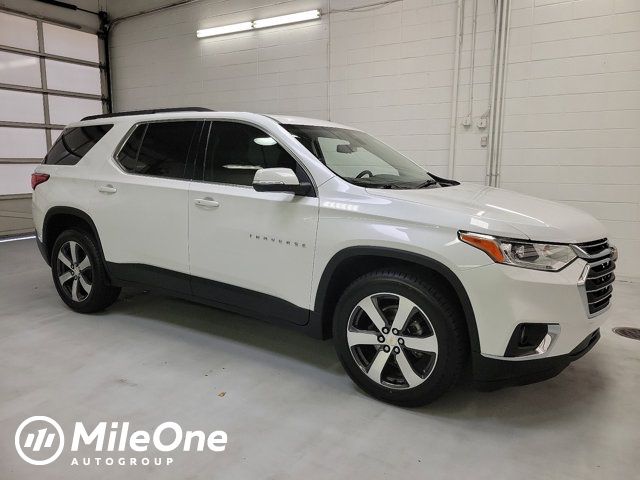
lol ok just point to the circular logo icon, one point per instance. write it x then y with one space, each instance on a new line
39 440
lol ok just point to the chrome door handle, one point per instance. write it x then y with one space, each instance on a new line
107 189
206 202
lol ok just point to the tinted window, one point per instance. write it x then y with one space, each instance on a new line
160 149
74 143
129 153
235 151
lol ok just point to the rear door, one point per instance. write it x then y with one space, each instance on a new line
141 208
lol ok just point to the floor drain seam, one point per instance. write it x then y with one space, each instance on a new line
627 332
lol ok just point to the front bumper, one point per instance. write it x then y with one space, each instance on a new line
491 374
504 297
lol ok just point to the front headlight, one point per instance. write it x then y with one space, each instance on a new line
539 256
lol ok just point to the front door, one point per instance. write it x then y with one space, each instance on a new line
248 248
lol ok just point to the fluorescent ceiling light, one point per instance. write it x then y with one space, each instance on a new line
285 19
263 23
236 27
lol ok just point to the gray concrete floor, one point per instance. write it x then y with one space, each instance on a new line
288 408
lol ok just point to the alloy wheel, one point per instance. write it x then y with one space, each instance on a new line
74 271
392 340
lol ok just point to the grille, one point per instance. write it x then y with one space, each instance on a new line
594 248
598 282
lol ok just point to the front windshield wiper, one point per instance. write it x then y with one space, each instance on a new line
443 181
395 186
374 185
427 184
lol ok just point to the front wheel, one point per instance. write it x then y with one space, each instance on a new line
399 337
78 273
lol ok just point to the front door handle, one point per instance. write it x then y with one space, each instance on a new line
107 189
206 202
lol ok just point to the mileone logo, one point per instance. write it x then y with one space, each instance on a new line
40 440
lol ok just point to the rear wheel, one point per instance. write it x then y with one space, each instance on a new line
78 273
399 337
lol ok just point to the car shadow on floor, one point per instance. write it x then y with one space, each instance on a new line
233 327
578 391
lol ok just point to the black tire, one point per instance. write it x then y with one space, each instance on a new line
441 369
101 294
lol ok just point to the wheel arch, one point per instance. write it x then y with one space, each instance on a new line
58 219
350 263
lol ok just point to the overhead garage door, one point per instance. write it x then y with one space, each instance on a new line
49 77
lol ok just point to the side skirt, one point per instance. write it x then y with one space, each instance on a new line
217 294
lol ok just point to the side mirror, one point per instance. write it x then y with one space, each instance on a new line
279 180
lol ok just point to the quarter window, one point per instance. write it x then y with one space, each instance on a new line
75 143
236 151
129 153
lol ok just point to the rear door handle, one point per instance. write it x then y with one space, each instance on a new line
107 189
206 202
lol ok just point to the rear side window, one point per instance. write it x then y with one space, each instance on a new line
161 149
74 143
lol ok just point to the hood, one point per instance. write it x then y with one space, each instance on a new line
490 209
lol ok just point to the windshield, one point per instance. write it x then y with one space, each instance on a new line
361 159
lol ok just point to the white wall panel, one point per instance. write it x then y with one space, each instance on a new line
70 43
65 110
18 32
572 120
74 78
15 179
22 143
19 69
21 107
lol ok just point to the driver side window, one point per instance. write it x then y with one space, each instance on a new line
235 152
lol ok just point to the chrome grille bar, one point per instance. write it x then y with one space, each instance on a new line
596 283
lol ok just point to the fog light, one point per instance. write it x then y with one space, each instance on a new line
528 339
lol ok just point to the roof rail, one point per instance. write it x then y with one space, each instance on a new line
146 112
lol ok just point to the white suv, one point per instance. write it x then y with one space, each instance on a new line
323 228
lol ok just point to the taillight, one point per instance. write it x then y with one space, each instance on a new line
38 178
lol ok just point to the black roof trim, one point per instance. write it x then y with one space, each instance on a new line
146 112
